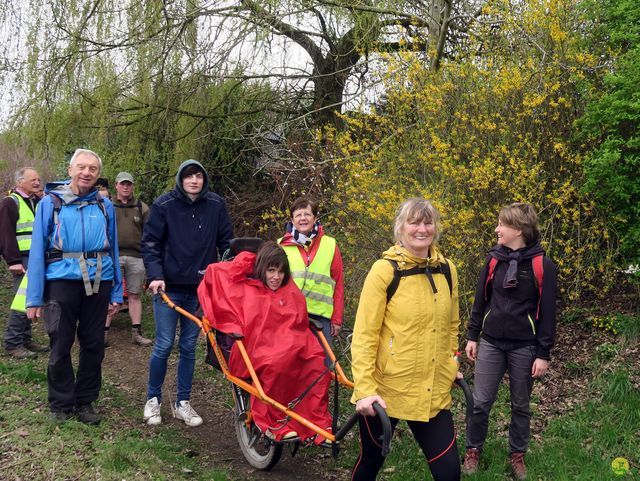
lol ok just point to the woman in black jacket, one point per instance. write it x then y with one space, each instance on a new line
512 328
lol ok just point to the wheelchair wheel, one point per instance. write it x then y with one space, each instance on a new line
259 451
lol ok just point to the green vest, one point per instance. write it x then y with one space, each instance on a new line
24 226
315 280
20 300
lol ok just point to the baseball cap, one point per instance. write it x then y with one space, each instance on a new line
124 176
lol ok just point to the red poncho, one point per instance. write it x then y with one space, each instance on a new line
284 352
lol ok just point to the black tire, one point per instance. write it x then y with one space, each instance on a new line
259 451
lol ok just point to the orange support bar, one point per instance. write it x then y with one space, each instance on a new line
255 389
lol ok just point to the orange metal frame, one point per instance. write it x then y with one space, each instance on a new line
255 388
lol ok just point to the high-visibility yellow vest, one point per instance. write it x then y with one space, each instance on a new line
20 299
315 280
24 226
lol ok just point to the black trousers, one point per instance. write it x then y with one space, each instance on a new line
69 311
437 439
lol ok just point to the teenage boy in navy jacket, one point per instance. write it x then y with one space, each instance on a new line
188 229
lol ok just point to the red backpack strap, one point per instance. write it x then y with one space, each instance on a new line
538 272
490 273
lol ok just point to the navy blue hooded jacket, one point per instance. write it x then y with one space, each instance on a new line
184 236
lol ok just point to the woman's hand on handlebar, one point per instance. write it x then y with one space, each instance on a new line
154 286
364 405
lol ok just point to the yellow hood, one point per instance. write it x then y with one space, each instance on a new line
407 260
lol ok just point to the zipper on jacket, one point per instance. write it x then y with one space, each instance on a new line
84 249
485 318
533 326
391 345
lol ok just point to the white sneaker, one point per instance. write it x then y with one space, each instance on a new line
189 415
152 412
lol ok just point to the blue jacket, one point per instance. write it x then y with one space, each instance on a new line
184 236
80 228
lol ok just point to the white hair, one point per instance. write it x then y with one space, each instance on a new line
79 152
19 174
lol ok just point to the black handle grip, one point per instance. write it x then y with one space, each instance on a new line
386 427
468 397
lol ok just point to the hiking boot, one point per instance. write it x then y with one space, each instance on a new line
88 415
21 353
184 411
470 463
139 339
152 414
517 466
60 417
35 347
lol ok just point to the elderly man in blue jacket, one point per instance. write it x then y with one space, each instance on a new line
74 277
188 229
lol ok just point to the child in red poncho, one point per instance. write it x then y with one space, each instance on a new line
252 296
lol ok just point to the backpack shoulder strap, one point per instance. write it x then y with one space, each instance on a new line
397 275
393 285
538 273
445 268
103 209
57 204
490 273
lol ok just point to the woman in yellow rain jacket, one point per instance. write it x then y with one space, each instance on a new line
404 344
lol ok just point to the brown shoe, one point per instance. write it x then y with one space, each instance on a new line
139 339
21 353
517 466
35 347
471 459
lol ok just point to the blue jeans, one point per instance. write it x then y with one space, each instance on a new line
166 322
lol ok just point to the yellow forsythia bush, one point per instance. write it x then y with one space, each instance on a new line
472 137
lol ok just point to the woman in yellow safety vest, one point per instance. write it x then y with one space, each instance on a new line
316 265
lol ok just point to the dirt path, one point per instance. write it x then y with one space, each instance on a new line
126 366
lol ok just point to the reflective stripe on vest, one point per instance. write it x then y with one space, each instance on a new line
315 280
20 300
24 225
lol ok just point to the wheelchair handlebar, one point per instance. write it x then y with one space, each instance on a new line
468 397
386 427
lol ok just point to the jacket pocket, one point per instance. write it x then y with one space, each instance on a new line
385 351
446 375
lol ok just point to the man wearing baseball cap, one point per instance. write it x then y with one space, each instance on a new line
131 215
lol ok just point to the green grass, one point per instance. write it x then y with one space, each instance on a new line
36 448
579 445
33 447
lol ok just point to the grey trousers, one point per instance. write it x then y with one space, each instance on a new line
18 331
491 364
